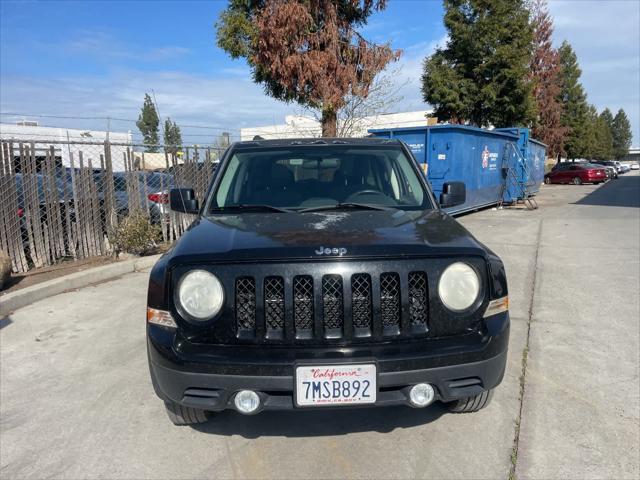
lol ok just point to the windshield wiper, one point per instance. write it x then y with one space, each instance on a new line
345 206
255 207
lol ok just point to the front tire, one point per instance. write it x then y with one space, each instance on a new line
547 180
181 415
577 181
471 404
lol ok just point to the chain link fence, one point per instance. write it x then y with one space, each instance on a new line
64 201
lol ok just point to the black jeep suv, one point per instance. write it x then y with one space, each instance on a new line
324 273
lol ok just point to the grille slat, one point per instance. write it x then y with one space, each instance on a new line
361 301
274 303
303 303
246 303
418 299
390 299
332 302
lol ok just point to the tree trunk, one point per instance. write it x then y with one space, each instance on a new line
329 122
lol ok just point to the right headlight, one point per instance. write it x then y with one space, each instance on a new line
459 287
200 294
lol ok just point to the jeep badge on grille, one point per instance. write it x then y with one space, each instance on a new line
331 251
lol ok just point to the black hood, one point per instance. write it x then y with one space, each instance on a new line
278 236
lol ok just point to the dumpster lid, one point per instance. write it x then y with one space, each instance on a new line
467 128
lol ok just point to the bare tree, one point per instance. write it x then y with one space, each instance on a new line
384 95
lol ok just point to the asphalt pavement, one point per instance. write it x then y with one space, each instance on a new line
76 400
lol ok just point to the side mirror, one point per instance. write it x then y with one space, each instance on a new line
453 194
183 200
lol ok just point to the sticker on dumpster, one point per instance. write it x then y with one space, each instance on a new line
442 156
485 157
489 159
416 147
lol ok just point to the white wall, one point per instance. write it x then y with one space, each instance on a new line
44 137
305 127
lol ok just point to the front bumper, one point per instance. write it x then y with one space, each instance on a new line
455 368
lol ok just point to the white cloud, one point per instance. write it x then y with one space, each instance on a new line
606 39
103 45
409 75
226 103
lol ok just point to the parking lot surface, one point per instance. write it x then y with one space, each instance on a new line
76 400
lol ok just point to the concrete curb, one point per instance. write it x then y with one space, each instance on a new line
23 297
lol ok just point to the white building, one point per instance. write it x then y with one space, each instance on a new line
301 126
45 137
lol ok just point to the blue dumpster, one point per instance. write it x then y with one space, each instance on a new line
490 162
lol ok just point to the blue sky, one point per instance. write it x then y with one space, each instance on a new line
97 59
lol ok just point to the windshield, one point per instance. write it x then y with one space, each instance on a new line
306 177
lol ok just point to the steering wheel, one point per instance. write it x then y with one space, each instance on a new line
366 192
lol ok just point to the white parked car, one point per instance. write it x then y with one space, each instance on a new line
635 166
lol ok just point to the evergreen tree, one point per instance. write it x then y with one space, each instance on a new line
545 75
602 136
607 116
306 51
621 133
481 76
148 124
172 136
575 108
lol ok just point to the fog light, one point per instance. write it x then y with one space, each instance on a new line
247 401
421 395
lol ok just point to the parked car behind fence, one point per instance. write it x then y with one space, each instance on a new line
53 211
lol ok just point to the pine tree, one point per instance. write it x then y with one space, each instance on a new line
481 76
603 137
148 124
607 116
621 133
575 108
545 75
172 136
306 51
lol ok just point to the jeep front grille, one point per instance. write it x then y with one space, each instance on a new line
332 307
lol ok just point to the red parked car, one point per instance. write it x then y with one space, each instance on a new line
576 173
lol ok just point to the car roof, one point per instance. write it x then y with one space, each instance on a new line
319 142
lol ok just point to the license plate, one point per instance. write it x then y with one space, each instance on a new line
325 385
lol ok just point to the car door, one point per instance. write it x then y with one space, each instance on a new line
560 174
571 173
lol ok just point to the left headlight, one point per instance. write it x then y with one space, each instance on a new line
459 287
200 294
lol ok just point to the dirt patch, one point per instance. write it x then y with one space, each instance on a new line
33 277
22 280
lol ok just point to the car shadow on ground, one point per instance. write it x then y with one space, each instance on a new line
623 192
5 322
318 423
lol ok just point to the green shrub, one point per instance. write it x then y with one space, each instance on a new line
135 234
